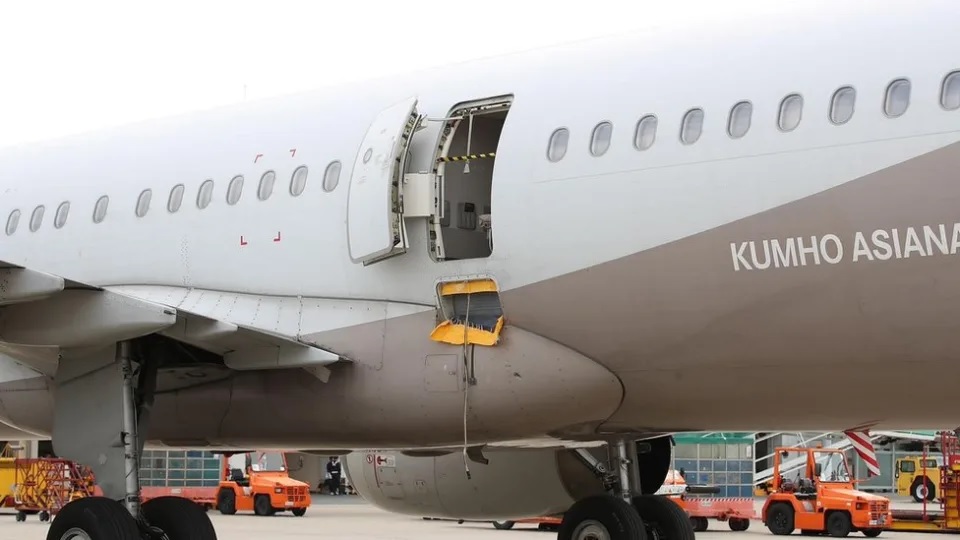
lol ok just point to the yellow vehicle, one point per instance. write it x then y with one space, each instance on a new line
919 476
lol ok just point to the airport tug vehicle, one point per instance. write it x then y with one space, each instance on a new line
822 499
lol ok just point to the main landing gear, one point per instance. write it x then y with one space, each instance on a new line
628 513
102 401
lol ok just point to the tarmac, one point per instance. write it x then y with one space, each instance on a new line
350 518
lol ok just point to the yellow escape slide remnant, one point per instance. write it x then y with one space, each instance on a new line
472 313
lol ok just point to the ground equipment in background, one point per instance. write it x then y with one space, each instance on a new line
946 518
45 485
822 498
919 476
260 482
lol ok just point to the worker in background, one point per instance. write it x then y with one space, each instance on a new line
334 472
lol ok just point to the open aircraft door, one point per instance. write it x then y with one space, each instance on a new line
375 227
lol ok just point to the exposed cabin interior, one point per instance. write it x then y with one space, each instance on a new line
467 154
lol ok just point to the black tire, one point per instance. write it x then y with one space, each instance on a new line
838 524
779 519
299 512
21 516
663 518
227 502
699 523
44 516
261 506
916 489
98 517
179 518
739 524
621 520
503 525
871 533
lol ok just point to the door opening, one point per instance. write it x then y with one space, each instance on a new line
461 227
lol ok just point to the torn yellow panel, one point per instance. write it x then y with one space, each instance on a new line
448 332
468 287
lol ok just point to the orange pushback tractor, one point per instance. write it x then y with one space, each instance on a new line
822 498
259 482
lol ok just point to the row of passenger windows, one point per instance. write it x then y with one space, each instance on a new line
298 182
895 104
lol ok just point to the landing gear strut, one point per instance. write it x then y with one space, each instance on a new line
626 513
102 399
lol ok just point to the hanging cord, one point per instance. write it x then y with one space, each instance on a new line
466 166
466 386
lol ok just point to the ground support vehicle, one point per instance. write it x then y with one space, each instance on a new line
260 482
45 485
945 517
823 498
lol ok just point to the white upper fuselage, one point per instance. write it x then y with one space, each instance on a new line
549 218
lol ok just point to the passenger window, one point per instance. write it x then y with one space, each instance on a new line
143 202
205 195
36 219
331 177
646 132
791 112
842 105
907 466
950 93
897 98
692 126
60 218
600 139
175 200
298 181
557 148
100 209
234 190
739 122
267 181
13 221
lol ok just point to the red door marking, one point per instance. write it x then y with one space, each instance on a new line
242 241
277 238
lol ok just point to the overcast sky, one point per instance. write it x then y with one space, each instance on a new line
70 66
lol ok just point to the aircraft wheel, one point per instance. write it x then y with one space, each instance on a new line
780 519
227 502
179 518
299 512
503 525
739 524
93 517
871 533
602 516
838 524
664 519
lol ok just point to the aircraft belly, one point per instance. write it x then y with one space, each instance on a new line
806 316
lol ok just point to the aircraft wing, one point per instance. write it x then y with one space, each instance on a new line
42 313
